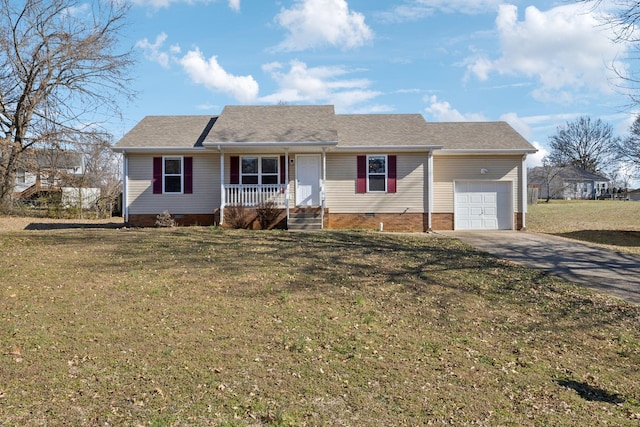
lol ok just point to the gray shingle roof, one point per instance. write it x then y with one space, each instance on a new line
318 124
476 136
167 132
371 130
275 123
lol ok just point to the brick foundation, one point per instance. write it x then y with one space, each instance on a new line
149 220
517 220
442 221
391 222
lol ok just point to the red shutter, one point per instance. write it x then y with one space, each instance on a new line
361 184
157 175
188 175
391 174
234 176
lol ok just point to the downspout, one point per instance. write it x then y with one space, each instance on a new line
525 195
125 185
429 190
323 186
222 191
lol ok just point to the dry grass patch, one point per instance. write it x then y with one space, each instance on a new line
613 224
198 326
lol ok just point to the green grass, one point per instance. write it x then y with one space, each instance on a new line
198 326
614 224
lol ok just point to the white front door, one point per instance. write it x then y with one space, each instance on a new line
307 180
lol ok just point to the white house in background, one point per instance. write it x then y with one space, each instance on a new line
326 170
45 171
569 183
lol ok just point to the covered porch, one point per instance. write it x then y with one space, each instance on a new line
292 182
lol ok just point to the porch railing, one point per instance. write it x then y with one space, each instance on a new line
251 195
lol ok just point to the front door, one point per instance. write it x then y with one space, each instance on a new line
307 180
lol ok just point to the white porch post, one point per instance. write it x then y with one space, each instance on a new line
429 190
323 186
125 186
222 192
525 195
287 195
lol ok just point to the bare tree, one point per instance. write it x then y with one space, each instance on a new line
548 176
583 143
629 147
60 73
623 16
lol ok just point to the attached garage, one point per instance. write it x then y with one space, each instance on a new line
483 205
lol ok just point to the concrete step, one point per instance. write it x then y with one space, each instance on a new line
310 219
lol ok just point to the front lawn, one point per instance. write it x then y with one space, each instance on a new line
201 326
613 224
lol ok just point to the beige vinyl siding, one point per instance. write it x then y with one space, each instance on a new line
447 169
410 196
206 187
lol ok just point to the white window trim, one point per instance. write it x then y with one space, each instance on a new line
386 173
277 173
181 174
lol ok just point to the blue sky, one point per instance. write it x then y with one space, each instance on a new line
534 64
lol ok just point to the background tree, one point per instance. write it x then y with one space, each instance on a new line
623 16
549 179
60 73
584 143
629 147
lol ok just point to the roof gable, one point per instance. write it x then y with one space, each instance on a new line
275 123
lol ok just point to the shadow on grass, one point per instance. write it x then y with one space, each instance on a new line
72 225
606 237
590 393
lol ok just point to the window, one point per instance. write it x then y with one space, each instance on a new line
377 173
172 175
259 170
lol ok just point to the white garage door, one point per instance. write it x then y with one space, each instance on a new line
483 206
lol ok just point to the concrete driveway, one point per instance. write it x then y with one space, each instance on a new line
601 269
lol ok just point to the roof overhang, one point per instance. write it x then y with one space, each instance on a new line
157 149
386 148
487 152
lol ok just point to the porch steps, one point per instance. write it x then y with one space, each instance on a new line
304 220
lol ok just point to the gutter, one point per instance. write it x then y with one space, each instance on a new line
513 151
157 149
387 148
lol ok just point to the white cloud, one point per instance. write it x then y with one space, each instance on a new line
567 49
152 51
211 75
317 23
413 10
442 111
318 84
234 5
535 159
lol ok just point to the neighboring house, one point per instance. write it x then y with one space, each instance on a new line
45 171
390 171
568 183
634 194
